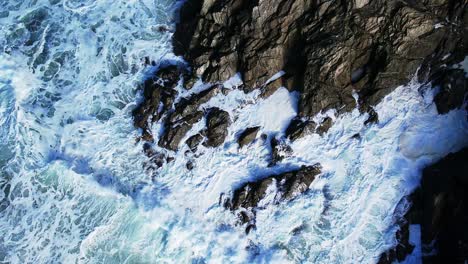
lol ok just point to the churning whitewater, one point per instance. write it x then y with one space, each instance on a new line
73 184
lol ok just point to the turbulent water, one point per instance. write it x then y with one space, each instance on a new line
74 188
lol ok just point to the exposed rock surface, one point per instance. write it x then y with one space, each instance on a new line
217 123
247 136
279 150
158 97
286 187
194 141
185 115
325 126
328 49
440 207
299 128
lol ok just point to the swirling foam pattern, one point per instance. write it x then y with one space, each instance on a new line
73 188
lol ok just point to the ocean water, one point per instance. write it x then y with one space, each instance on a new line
73 182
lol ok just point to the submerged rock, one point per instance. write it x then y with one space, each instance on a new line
217 123
286 186
247 136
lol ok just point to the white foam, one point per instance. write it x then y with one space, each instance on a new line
79 192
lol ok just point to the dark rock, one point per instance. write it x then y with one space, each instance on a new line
158 96
217 123
453 87
187 106
175 132
299 128
193 141
373 117
440 207
279 150
247 136
288 185
185 115
189 165
325 126
328 49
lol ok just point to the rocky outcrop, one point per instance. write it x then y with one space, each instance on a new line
285 186
185 115
247 136
279 150
158 97
217 123
159 94
299 128
327 49
440 208
325 126
193 141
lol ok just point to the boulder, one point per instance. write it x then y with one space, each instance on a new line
247 136
193 141
325 126
217 123
175 132
298 128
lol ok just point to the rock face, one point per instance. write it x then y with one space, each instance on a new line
217 123
286 187
440 207
328 49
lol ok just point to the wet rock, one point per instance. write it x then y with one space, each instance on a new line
217 123
299 128
190 165
453 89
184 116
187 106
175 132
328 49
373 117
287 186
193 141
247 136
158 97
279 150
325 126
439 207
